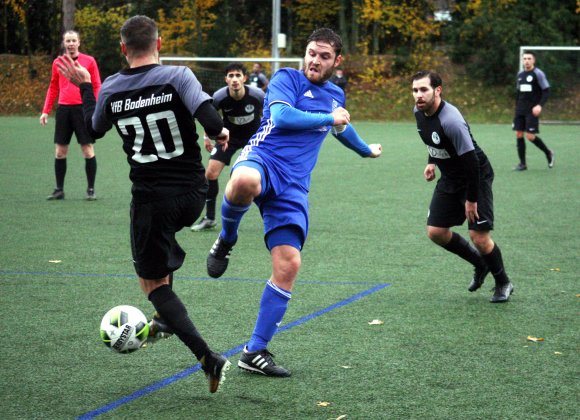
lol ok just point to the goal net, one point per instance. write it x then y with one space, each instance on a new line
561 64
210 70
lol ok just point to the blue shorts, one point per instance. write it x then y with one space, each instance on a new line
285 213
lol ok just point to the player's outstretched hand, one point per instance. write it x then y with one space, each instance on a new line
207 143
376 150
341 116
429 172
72 70
223 138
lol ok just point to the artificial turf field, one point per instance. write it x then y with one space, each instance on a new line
438 352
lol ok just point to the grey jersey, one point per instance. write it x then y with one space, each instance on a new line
241 117
152 108
532 88
448 136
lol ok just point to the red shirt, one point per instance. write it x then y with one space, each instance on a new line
69 94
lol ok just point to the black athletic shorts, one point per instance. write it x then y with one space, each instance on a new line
448 209
69 119
526 122
218 153
154 224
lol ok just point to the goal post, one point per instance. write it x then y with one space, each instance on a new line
561 64
210 70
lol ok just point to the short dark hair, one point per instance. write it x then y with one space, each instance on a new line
327 35
139 33
235 66
533 54
434 78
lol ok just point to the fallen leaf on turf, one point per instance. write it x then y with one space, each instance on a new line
341 417
557 352
346 367
376 322
55 261
554 269
535 339
578 295
323 403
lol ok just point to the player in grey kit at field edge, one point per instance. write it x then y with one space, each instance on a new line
464 190
532 91
153 108
241 106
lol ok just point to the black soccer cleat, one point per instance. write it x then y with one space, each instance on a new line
91 195
56 195
261 362
218 258
479 275
520 167
215 366
502 292
551 157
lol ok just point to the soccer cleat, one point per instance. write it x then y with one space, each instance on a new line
520 167
218 258
56 195
158 329
261 362
478 278
91 196
502 293
205 224
551 157
215 366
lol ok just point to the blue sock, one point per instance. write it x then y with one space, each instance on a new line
272 309
231 218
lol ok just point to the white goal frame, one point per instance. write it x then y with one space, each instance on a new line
533 48
296 60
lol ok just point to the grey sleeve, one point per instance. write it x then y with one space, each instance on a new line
191 91
457 130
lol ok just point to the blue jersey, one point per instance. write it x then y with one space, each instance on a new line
290 155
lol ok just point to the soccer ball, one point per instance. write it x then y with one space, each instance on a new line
124 329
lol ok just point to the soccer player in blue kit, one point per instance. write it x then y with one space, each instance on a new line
464 190
273 171
154 109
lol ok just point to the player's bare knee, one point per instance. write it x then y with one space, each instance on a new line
438 235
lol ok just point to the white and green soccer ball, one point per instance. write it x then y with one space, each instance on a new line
124 329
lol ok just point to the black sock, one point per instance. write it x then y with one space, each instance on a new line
172 310
539 143
459 246
521 145
60 172
210 200
91 170
494 261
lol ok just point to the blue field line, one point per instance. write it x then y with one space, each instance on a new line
233 351
191 278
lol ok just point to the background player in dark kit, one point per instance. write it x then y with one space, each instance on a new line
241 106
532 91
464 190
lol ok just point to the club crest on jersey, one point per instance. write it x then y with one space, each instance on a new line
334 104
249 108
435 138
529 78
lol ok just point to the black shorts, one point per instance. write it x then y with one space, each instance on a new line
154 224
70 119
218 153
526 122
448 209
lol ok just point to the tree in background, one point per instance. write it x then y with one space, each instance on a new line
486 34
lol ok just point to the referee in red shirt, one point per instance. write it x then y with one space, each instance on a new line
69 117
